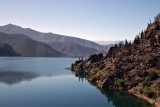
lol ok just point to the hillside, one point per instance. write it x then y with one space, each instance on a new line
73 49
51 38
7 50
26 46
134 67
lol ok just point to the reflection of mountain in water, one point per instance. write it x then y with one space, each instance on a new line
9 77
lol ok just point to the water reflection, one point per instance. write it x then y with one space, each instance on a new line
17 69
14 77
9 77
124 99
50 85
118 98
80 75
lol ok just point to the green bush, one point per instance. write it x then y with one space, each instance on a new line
159 92
147 92
146 83
119 82
140 91
152 76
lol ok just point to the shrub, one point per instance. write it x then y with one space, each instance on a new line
147 92
119 82
140 91
136 40
159 92
146 84
152 76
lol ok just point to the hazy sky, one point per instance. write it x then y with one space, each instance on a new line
88 19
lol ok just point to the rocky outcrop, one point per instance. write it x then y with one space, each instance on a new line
134 67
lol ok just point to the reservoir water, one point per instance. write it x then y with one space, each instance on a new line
44 82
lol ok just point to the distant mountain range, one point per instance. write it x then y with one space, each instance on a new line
70 46
107 42
73 49
26 46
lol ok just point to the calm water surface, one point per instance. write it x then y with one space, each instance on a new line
43 82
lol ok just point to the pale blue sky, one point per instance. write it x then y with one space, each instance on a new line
88 19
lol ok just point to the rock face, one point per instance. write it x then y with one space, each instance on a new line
134 67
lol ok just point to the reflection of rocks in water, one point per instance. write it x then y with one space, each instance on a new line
9 77
80 75
124 99
118 98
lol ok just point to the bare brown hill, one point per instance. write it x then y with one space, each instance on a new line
134 67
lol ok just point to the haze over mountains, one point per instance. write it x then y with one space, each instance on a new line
26 46
73 49
107 42
71 46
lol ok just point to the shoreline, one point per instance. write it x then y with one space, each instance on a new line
131 66
151 101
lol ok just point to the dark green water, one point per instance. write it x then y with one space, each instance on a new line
43 82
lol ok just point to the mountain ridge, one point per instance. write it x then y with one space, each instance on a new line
12 29
28 47
51 38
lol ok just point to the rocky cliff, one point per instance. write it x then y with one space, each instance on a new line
134 67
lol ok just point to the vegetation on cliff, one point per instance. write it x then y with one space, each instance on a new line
132 66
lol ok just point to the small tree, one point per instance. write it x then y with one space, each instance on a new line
126 42
137 40
157 19
152 41
115 46
142 34
121 44
159 39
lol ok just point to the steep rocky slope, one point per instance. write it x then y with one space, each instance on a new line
26 46
134 67
7 50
